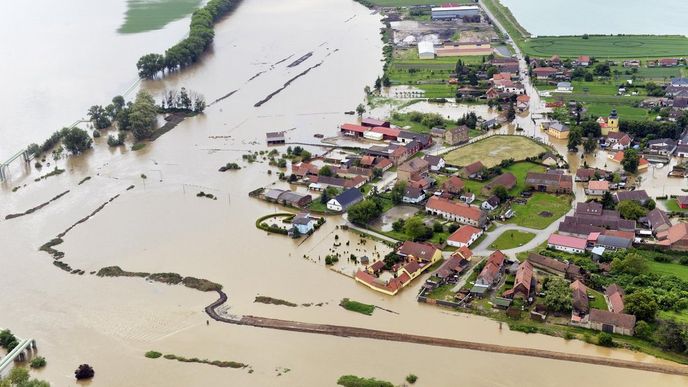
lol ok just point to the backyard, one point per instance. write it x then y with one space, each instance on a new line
520 170
511 239
541 210
491 151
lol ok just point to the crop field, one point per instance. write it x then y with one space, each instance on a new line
608 46
493 150
148 15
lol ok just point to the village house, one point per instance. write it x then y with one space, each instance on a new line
587 174
606 321
676 238
556 129
506 180
618 140
302 224
661 146
391 134
682 151
288 198
491 203
457 212
456 136
614 296
455 265
320 183
413 195
591 217
436 162
414 169
424 140
543 73
418 258
464 236
567 244
564 87
597 188
631 63
522 102
353 130
454 185
580 302
492 271
640 196
547 264
304 169
345 200
549 182
438 132
583 61
523 283
473 170
610 242
658 221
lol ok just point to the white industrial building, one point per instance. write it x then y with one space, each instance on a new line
449 13
426 50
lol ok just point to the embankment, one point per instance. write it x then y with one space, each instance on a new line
346 331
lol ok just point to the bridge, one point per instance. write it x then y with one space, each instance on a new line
21 352
4 167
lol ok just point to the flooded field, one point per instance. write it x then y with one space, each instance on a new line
162 226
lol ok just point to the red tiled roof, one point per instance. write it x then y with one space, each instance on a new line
412 267
420 251
599 185
474 168
497 258
354 128
393 132
567 241
463 234
463 252
459 209
383 163
454 182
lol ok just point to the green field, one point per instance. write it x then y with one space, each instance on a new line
528 215
406 3
680 271
607 46
672 205
148 15
510 239
493 150
626 46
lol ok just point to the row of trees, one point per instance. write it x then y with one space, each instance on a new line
189 50
74 139
182 101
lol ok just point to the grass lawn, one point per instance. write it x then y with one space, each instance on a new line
680 271
510 239
598 302
356 306
493 150
443 293
672 205
528 215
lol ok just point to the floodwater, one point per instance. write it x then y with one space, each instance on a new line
566 17
161 226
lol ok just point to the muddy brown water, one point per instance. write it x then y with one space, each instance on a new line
161 226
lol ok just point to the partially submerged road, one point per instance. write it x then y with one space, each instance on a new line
347 331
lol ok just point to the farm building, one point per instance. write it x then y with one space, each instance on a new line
426 50
449 13
275 138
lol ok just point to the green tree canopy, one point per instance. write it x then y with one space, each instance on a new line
629 209
77 140
558 297
630 161
642 305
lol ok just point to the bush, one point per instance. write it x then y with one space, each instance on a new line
411 378
84 371
356 306
605 340
153 354
356 381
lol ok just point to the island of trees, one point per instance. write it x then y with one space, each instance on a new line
189 50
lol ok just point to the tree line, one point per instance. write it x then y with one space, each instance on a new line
189 50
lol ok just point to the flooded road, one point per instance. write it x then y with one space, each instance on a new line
161 226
